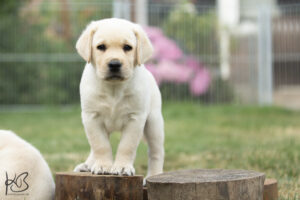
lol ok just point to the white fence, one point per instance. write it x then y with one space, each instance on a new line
260 52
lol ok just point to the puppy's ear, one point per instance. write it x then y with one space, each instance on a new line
84 43
144 47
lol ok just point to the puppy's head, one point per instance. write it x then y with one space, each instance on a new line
114 47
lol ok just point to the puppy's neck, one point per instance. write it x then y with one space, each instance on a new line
116 88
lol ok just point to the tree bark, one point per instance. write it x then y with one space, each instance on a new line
85 186
145 193
270 189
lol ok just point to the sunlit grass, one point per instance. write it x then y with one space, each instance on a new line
263 139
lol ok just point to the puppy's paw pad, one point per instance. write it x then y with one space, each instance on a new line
101 169
82 168
127 170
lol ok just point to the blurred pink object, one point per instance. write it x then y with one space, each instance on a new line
173 72
164 48
200 83
153 33
169 64
193 63
168 71
167 49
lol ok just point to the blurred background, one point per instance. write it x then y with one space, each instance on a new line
206 51
228 70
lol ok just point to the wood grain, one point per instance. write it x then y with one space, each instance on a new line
86 186
206 184
270 189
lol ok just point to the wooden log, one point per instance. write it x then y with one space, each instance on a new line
270 189
205 184
86 186
145 193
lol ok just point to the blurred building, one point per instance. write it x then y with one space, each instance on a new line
243 29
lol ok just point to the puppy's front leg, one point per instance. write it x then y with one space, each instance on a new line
100 159
131 136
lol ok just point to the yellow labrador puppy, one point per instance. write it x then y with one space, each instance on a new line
119 94
24 174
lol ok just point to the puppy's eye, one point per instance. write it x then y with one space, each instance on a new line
127 47
101 47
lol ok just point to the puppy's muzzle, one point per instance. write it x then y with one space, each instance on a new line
114 66
115 72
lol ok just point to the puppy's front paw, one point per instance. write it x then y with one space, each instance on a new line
125 170
82 167
99 168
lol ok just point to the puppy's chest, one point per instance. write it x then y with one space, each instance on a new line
114 114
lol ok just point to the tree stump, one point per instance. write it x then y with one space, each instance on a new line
270 189
205 184
145 194
86 186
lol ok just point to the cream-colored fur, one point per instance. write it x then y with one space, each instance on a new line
131 104
16 157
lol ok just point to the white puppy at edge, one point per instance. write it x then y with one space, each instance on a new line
21 162
119 94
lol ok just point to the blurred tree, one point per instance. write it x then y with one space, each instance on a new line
31 30
184 18
24 80
11 29
65 16
8 6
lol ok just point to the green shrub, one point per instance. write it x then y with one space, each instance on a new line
195 32
39 30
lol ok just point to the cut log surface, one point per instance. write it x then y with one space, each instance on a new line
86 186
270 189
206 184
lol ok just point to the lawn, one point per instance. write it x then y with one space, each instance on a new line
264 139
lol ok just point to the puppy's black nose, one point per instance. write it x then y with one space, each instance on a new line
114 65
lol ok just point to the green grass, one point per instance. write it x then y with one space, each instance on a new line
263 139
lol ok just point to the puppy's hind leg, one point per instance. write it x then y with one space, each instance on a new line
154 134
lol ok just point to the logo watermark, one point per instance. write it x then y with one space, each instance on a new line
16 185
